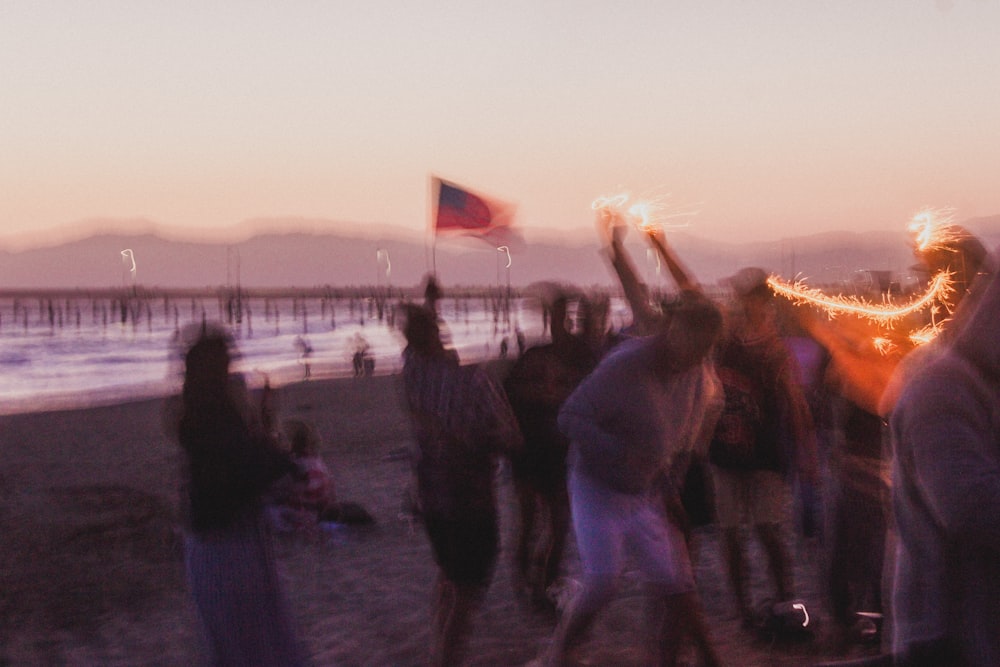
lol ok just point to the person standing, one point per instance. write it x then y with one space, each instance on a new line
230 465
647 403
537 384
763 437
946 497
462 423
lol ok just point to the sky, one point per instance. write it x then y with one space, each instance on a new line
761 119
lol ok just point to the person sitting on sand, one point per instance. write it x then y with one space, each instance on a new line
305 496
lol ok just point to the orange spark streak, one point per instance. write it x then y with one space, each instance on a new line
939 289
646 214
933 228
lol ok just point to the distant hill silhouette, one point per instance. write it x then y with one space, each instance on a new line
310 259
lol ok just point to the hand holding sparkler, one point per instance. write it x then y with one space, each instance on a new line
681 275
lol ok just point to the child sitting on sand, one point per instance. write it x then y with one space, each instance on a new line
307 497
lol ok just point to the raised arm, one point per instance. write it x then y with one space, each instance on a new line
613 228
680 273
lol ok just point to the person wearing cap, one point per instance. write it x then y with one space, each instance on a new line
763 439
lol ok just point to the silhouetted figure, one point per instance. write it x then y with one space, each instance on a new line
360 356
946 497
305 355
763 438
537 384
462 422
649 401
230 465
865 384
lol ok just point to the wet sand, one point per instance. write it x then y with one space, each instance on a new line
91 570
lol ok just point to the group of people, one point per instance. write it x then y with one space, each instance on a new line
603 432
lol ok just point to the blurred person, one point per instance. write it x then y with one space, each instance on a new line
946 496
537 384
231 462
763 439
864 385
647 403
462 423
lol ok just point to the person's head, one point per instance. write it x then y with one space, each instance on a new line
421 330
206 365
432 292
692 326
753 299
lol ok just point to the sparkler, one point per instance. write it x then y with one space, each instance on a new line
646 214
886 314
934 229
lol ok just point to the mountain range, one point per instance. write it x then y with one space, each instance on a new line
346 257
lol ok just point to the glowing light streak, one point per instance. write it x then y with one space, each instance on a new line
886 314
927 333
646 214
883 345
129 257
801 607
379 254
505 249
656 256
933 229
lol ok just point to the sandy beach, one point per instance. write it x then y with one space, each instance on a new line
91 570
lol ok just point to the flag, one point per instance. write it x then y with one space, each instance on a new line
460 211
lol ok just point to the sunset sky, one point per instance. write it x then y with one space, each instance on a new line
769 118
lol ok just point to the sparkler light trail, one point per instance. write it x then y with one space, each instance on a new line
886 314
505 249
129 257
645 214
934 229
379 254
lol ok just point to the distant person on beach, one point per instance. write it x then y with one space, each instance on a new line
945 430
647 403
230 465
537 384
305 349
462 423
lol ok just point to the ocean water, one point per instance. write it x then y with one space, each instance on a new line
79 351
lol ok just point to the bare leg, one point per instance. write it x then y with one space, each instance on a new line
737 569
778 558
596 593
454 605
524 550
559 518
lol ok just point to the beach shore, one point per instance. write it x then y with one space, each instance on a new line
91 569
